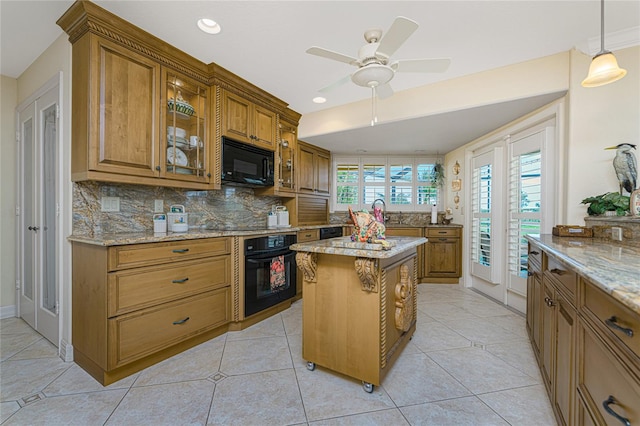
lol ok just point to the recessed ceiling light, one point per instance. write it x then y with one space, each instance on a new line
319 100
209 26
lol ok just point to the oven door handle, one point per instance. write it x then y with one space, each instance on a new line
261 259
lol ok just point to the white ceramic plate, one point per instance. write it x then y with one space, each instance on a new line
180 157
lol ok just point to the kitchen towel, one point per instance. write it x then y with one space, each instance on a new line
278 278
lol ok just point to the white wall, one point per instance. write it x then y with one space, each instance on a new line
599 117
8 102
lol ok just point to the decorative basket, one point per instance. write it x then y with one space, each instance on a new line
572 231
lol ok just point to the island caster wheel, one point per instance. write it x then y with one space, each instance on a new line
311 366
368 387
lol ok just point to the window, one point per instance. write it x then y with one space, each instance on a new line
404 183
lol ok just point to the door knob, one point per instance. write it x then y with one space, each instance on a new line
33 228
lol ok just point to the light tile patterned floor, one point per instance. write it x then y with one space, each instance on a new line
469 363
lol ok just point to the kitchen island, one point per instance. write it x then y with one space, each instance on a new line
359 304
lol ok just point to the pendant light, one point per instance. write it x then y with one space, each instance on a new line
604 66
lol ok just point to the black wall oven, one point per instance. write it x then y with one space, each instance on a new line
270 272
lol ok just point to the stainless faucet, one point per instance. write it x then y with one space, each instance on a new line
384 208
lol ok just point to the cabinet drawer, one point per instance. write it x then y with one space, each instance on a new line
617 320
137 335
309 235
602 376
130 256
442 232
404 232
139 288
535 254
562 275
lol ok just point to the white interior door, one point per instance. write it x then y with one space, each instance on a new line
38 134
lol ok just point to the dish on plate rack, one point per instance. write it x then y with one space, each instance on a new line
176 156
180 106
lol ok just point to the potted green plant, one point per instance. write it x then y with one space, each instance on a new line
437 176
608 202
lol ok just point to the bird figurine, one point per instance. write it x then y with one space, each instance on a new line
626 166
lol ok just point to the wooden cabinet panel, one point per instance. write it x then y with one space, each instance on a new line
442 255
142 333
562 275
123 96
409 232
127 298
135 255
314 171
547 335
564 384
139 288
601 375
535 297
244 121
616 321
308 235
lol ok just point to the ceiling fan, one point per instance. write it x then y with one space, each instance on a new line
375 70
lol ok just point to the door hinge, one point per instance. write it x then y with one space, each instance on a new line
57 209
18 285
17 210
57 308
57 111
18 136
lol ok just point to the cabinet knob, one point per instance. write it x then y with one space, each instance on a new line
208 175
158 168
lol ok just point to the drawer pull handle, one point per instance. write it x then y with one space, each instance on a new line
184 280
558 271
442 232
535 253
613 323
181 321
180 250
612 400
442 239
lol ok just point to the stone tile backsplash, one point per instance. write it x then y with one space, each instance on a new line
230 206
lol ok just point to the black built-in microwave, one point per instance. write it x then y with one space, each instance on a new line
244 164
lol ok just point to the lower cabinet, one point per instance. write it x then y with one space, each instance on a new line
442 255
585 344
135 305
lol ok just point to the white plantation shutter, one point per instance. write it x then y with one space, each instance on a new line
347 184
485 232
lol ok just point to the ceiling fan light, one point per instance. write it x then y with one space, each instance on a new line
603 70
372 75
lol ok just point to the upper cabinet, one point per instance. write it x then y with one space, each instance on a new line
186 153
115 111
146 113
248 122
314 169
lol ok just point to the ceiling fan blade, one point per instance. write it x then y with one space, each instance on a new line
399 31
338 83
422 65
329 54
385 91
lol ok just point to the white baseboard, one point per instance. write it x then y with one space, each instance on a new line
8 311
66 351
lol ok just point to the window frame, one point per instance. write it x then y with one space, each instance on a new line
387 161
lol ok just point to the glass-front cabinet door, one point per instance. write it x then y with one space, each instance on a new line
286 151
185 154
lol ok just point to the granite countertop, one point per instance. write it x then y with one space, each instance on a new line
336 246
615 268
193 234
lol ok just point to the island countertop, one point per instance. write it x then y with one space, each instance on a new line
337 246
615 268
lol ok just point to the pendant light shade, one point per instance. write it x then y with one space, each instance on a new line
604 67
603 70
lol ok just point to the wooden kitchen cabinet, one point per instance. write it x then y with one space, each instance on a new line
135 305
115 112
185 152
314 169
535 297
608 371
410 232
245 121
443 255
